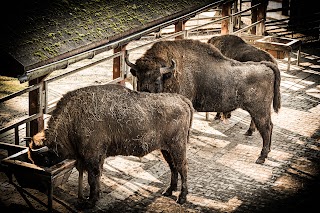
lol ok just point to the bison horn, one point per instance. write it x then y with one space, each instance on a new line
41 150
132 65
164 70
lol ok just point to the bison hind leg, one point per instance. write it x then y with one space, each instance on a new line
174 174
251 129
264 126
178 164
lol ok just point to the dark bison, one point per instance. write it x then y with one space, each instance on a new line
92 123
236 48
213 82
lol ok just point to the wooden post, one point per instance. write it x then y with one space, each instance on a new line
285 7
117 64
226 11
180 26
35 104
254 13
261 14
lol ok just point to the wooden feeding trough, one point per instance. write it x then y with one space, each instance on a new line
279 47
28 175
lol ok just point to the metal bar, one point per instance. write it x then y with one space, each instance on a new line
22 192
246 10
160 39
82 68
30 118
16 135
13 95
248 27
212 22
46 94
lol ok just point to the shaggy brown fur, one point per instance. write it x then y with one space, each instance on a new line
213 82
236 48
92 123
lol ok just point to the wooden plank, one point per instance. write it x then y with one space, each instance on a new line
117 63
226 11
63 165
180 26
34 106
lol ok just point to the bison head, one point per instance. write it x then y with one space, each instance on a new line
40 154
151 74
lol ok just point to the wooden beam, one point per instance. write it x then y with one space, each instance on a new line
35 104
254 13
226 11
261 15
180 26
285 7
117 63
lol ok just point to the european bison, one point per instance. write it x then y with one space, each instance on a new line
236 48
211 81
92 123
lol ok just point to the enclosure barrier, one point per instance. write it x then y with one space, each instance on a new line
46 107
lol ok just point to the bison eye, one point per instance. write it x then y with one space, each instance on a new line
167 76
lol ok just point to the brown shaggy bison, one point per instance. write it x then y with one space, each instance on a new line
236 48
213 82
92 123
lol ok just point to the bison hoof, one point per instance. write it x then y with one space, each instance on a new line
248 133
85 204
181 200
167 193
260 160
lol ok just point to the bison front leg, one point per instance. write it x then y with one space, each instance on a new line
94 173
218 116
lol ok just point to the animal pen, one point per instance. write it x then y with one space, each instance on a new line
37 74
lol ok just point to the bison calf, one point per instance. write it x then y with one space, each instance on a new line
92 123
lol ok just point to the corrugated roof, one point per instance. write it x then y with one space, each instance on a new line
40 32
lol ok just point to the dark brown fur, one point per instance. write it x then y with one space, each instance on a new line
92 123
213 82
236 48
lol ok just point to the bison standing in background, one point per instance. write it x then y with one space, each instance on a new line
211 81
236 48
92 123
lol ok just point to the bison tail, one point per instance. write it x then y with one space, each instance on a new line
191 113
276 91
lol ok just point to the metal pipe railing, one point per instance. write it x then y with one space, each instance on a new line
248 27
13 95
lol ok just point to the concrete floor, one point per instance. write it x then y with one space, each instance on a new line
222 175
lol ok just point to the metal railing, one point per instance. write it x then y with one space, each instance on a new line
46 106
